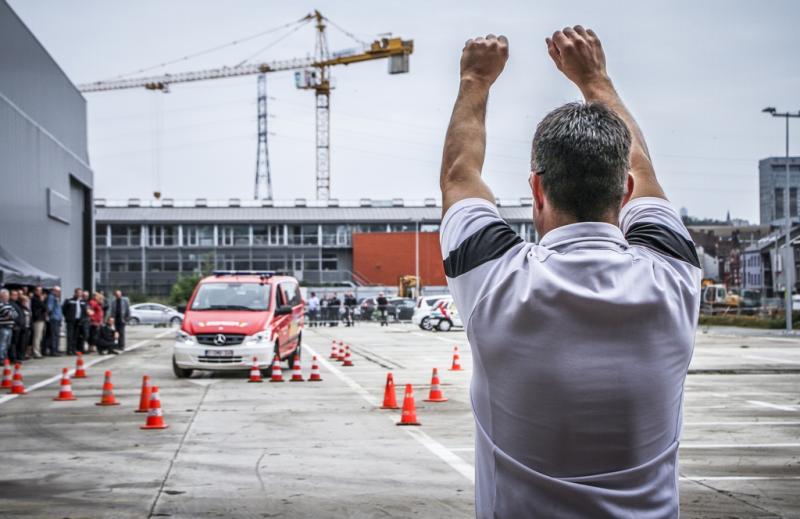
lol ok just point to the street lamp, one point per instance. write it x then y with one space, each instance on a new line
788 274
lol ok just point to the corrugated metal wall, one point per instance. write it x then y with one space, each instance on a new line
42 146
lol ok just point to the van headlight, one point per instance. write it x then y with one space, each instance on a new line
184 337
258 338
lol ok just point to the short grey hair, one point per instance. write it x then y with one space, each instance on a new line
4 292
581 151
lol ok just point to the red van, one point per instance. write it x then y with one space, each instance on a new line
234 316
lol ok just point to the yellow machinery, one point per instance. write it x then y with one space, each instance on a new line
408 286
313 73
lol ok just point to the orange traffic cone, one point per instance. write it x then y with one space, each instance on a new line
144 399
456 360
348 360
108 392
436 394
155 418
340 357
297 372
409 414
389 394
277 374
17 387
80 371
6 375
334 351
315 376
255 373
65 393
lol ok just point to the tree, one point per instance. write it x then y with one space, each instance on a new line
182 289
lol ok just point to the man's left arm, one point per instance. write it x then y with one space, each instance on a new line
482 61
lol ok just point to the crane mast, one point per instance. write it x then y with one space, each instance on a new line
312 73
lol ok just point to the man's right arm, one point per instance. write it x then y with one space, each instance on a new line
577 53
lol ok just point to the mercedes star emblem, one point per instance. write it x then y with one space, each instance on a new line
220 340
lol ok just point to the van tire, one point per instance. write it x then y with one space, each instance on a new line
180 372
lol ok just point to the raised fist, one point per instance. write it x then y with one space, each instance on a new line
483 59
578 54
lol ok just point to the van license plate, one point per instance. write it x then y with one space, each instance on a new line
219 353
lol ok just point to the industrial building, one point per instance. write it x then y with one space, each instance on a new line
145 246
46 195
772 190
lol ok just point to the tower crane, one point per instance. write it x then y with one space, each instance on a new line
312 73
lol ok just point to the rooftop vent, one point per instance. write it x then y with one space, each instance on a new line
99 202
365 202
234 202
333 202
397 202
134 202
167 202
430 202
201 202
300 202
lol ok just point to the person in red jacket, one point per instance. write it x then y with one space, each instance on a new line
95 312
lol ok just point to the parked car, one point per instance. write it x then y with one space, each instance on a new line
369 306
426 305
154 313
403 308
445 317
235 316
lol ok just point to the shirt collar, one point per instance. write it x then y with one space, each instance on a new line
583 232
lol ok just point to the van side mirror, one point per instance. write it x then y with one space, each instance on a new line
283 310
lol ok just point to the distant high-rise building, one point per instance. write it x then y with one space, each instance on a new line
771 186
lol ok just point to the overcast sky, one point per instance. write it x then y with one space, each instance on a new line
695 74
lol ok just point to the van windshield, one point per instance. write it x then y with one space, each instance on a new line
232 296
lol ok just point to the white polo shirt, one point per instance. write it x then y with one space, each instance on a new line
580 348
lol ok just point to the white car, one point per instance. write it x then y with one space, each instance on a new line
154 313
445 317
426 305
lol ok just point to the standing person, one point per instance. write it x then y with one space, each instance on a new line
121 310
16 349
74 312
334 306
85 326
350 303
96 321
26 334
8 316
585 420
383 307
107 338
55 317
313 309
39 317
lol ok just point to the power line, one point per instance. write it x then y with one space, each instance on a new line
272 44
212 49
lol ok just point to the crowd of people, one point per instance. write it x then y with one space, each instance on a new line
331 310
33 319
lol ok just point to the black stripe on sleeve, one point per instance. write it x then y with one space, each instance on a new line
487 244
664 240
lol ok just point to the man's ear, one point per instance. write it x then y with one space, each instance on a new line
628 190
537 191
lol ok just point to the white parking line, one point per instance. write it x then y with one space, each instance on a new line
740 478
694 424
697 446
772 406
87 364
459 465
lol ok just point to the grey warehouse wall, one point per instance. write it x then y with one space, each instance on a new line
42 148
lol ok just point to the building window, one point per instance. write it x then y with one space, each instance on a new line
793 201
126 236
336 236
429 227
778 203
268 235
371 227
100 235
198 235
162 235
403 227
303 235
234 235
330 262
